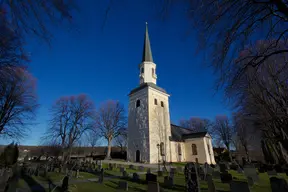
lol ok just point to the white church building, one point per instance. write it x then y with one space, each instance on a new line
151 136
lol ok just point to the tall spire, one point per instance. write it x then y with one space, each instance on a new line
147 53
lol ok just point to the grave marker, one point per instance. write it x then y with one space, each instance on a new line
153 187
123 185
239 186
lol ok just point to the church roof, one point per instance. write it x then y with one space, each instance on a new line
180 133
144 85
147 53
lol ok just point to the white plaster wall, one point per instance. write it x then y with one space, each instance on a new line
147 76
210 157
175 157
138 129
159 125
201 150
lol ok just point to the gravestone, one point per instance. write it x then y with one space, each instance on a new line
65 183
148 170
101 176
122 169
223 167
168 181
250 181
191 178
239 186
99 167
77 173
124 174
210 183
131 166
160 173
135 177
216 174
251 172
123 185
153 187
173 170
226 177
141 168
278 168
272 173
110 166
278 184
151 177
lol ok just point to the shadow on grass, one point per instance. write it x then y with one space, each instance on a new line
33 185
134 188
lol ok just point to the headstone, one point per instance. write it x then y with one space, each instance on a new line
278 184
216 174
173 170
136 177
65 183
226 177
148 170
100 167
101 176
239 186
131 166
110 166
160 173
122 169
153 187
124 174
210 183
272 173
251 172
168 181
191 177
151 177
77 173
250 181
239 170
141 168
123 185
223 167
278 168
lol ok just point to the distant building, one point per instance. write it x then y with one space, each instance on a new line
151 136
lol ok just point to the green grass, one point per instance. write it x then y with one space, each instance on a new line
179 181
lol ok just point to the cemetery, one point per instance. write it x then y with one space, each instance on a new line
124 176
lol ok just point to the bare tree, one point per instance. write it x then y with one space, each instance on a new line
196 123
224 131
71 117
121 140
226 27
18 102
110 120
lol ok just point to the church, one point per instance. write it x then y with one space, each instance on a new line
151 136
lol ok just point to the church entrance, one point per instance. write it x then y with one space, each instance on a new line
137 156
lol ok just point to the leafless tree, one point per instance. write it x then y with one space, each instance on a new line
226 27
224 131
261 96
196 123
121 140
110 120
71 117
18 102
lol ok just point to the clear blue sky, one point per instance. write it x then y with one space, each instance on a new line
103 63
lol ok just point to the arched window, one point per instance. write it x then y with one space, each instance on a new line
155 101
142 70
208 146
162 149
138 103
179 149
153 71
194 149
162 104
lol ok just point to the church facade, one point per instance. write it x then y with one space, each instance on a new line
151 136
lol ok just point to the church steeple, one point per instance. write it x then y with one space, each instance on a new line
147 53
147 66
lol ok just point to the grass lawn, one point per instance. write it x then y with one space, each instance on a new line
179 181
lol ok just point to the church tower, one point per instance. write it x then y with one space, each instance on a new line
149 126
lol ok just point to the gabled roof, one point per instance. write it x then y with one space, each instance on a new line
144 85
180 133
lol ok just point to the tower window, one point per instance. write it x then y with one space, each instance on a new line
153 71
179 149
162 104
138 103
142 70
194 149
162 149
155 101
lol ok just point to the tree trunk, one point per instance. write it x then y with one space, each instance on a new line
247 153
108 155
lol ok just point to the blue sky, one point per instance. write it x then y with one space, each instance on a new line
103 62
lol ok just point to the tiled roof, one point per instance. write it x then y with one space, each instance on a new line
144 85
